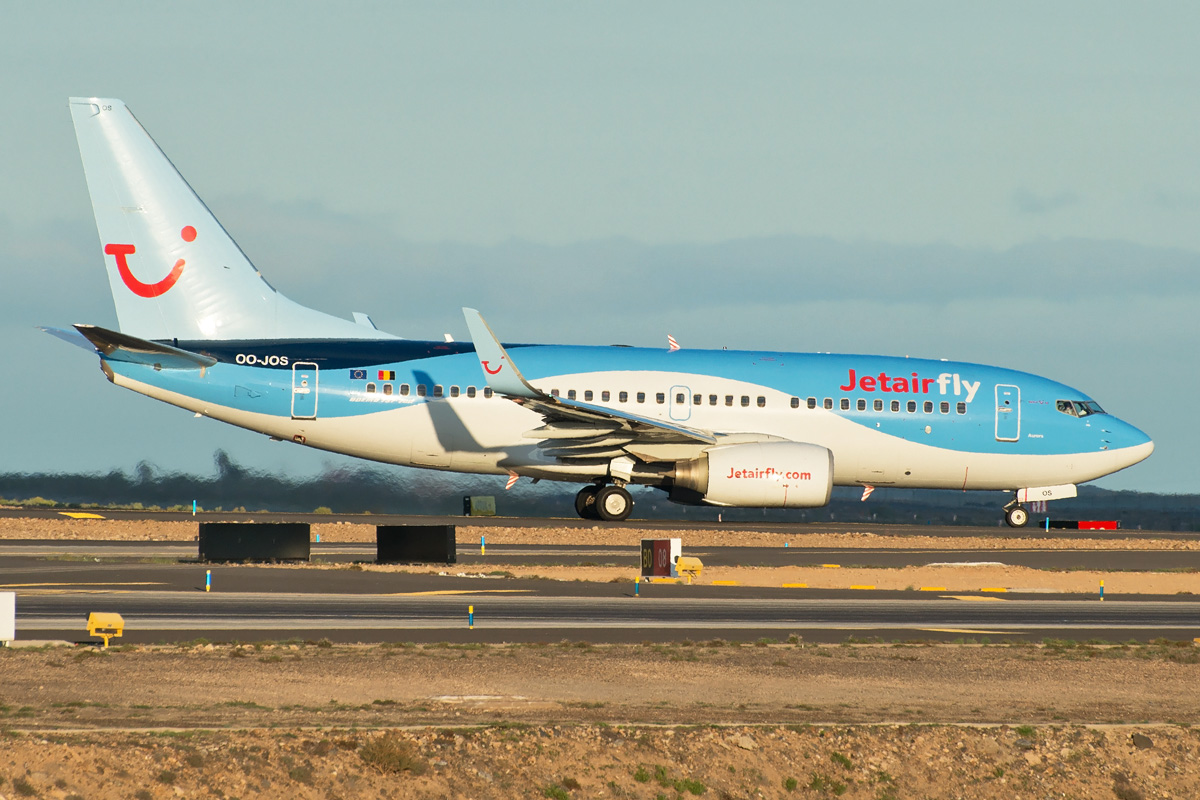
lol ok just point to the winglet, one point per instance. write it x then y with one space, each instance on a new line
502 374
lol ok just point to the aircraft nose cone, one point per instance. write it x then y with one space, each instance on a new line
1136 445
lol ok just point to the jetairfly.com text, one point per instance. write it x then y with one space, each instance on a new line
911 385
768 474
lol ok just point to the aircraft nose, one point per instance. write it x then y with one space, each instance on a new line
1134 443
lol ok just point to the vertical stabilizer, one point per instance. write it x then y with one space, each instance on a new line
173 270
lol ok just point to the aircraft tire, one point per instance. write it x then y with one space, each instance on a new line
1016 516
585 502
613 504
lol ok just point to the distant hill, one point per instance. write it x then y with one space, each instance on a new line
380 490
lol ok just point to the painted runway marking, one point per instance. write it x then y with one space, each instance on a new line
457 591
80 515
98 583
974 598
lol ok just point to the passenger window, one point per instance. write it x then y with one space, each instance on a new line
928 406
487 392
745 401
623 397
570 394
370 388
454 391
895 406
878 405
470 391
828 404
605 396
437 390
680 398
812 402
697 399
944 407
861 404
641 397
762 401
661 397
404 389
912 406
795 402
845 404
387 388
728 400
962 408
587 396
421 390
712 399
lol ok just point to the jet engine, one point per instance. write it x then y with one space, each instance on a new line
757 475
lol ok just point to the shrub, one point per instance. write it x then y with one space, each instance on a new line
391 754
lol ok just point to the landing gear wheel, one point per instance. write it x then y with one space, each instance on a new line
585 502
1016 516
613 503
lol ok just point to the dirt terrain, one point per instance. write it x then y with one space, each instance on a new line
572 720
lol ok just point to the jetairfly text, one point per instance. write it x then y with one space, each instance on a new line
911 385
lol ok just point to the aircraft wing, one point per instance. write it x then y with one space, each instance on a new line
573 429
123 347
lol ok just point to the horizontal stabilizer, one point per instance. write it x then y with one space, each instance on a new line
123 347
71 336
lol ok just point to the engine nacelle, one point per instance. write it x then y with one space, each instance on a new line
758 475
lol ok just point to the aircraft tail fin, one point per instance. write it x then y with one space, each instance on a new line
175 273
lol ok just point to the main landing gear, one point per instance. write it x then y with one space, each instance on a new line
609 503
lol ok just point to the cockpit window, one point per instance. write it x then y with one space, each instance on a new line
1078 408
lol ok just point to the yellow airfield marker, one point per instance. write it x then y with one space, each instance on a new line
795 585
932 589
724 583
831 566
862 587
993 589
974 598
80 515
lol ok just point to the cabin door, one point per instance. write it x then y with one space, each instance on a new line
304 390
1008 413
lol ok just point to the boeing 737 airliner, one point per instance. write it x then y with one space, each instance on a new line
200 328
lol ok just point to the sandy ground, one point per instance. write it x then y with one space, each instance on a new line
950 578
571 720
618 721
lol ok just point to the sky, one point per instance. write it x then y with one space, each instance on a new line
1012 184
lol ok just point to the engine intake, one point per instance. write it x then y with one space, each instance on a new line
758 475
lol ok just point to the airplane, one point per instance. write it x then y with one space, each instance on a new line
200 328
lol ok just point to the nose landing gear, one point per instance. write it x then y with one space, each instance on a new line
1015 515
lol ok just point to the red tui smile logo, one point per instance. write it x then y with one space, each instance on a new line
121 253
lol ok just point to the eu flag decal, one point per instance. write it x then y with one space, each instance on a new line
387 375
358 374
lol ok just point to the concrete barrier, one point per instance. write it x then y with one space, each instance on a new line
402 544
254 541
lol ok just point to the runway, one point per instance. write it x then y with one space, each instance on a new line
159 588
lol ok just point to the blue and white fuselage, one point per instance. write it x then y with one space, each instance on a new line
720 427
